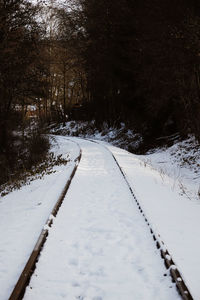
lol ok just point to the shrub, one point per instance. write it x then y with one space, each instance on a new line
23 155
38 146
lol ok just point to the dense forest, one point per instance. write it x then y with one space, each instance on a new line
142 64
136 62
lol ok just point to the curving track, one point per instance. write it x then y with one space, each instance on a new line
19 289
99 247
174 272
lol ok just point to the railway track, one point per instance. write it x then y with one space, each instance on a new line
24 279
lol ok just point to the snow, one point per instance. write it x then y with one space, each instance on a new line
174 217
23 214
181 163
121 137
99 247
178 163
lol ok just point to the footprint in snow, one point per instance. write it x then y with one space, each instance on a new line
73 261
75 245
75 284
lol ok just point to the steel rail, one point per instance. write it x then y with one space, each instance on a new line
24 279
168 261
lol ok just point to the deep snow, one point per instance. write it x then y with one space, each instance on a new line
99 246
158 180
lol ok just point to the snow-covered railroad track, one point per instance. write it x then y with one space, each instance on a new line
99 247
169 263
23 281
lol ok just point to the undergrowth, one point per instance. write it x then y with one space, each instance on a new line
25 159
120 136
19 179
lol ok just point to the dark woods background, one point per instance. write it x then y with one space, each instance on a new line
142 64
22 80
134 61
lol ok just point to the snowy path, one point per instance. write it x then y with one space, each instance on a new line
23 214
99 247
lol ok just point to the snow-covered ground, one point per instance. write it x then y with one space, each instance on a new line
180 162
99 247
23 214
172 216
100 244
120 137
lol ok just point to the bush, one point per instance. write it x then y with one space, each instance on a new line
24 154
38 146
37 171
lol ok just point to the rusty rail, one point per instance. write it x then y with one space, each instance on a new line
169 263
24 279
174 272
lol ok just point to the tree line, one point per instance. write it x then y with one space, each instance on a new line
41 76
132 61
142 64
23 81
